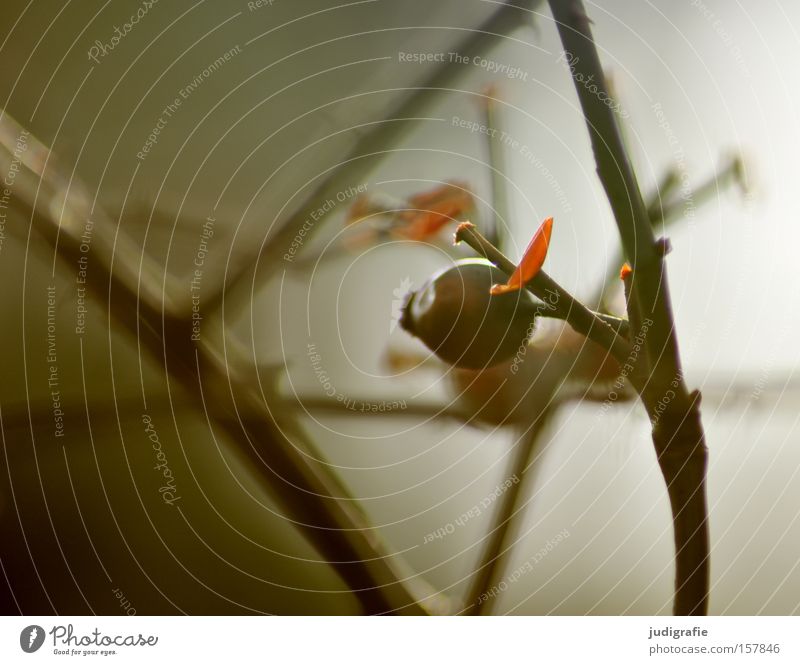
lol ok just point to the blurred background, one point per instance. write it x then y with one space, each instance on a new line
271 142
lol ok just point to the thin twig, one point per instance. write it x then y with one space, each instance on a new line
664 209
557 301
507 514
478 600
678 434
668 184
674 209
669 181
497 167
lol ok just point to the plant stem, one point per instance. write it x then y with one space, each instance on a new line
508 512
668 184
558 302
678 434
664 209
500 201
672 209
655 206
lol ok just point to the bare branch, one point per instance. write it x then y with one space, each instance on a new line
678 434
281 456
497 165
664 208
508 513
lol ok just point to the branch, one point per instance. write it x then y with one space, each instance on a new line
373 147
497 167
282 458
557 301
678 434
509 510
672 209
670 181
663 208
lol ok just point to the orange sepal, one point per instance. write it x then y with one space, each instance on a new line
625 271
531 262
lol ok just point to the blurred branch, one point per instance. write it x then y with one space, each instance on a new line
372 147
678 434
674 209
313 498
729 392
497 166
509 511
664 208
664 189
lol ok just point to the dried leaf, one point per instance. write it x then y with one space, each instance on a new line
417 218
434 209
